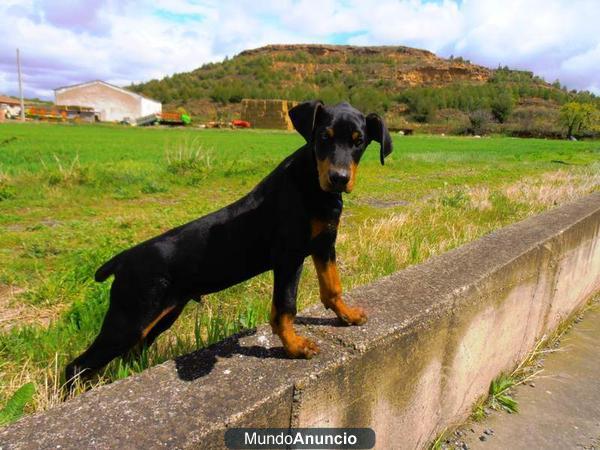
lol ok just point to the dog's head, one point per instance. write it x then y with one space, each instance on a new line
339 136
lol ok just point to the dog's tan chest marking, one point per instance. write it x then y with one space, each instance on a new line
318 226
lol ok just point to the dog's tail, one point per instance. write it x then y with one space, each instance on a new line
107 269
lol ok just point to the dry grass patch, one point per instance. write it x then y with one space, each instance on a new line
555 188
14 313
480 198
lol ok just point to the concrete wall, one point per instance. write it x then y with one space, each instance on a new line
113 104
438 334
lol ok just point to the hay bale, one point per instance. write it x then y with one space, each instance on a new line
267 113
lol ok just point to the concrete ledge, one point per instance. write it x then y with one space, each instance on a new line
438 334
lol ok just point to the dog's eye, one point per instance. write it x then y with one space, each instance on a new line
328 134
358 142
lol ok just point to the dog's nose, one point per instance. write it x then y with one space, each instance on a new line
339 178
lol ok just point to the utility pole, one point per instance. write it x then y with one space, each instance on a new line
20 87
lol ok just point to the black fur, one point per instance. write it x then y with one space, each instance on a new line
268 229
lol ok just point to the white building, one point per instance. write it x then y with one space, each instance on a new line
111 103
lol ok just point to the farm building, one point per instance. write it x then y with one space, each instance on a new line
111 103
11 107
267 113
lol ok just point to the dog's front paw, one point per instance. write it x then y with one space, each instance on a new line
353 316
301 347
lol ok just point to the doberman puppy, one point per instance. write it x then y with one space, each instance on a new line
294 212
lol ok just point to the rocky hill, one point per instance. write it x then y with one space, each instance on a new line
406 84
296 72
399 66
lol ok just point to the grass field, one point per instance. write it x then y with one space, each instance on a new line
72 196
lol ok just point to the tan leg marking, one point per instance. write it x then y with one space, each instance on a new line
155 321
331 293
295 346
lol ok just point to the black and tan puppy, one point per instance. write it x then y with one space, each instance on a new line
294 212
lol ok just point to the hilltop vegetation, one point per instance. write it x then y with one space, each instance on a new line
406 84
299 72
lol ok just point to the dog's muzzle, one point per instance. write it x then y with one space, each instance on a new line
338 179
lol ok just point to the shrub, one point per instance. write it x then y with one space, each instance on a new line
479 120
534 121
368 99
189 158
333 94
151 187
67 174
423 110
502 107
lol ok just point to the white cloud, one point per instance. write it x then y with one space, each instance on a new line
583 66
536 35
124 41
412 23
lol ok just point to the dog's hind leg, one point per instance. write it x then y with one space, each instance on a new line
163 324
116 337
128 322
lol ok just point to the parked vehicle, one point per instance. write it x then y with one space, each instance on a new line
237 123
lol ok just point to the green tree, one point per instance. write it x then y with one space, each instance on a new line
369 100
502 106
577 117
220 94
333 94
423 109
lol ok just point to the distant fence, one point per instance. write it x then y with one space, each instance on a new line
438 333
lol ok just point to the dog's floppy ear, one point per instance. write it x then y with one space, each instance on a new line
304 116
377 131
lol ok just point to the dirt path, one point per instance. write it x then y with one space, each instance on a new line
562 408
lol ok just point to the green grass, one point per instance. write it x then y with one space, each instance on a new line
71 196
15 406
499 397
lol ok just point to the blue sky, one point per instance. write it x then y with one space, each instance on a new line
68 41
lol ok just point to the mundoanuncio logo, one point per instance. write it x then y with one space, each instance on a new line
300 438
